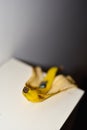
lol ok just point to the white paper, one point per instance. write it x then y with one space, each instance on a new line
16 113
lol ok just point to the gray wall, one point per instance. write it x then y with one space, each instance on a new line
46 32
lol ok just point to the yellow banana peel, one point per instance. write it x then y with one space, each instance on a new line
38 88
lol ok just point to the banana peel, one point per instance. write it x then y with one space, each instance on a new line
61 83
40 87
36 77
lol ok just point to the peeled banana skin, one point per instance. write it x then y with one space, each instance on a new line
40 87
36 78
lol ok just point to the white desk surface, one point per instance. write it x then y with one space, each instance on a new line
16 113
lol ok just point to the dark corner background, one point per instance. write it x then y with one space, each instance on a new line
59 37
